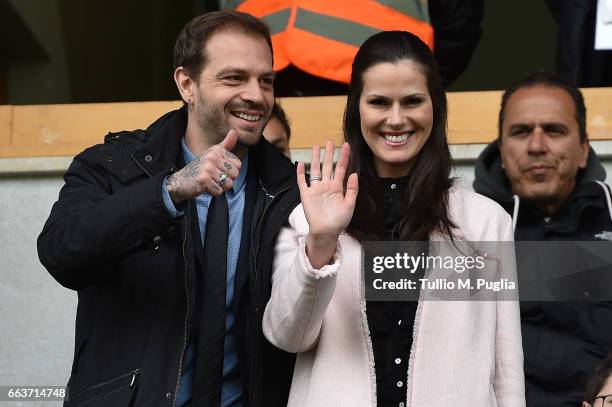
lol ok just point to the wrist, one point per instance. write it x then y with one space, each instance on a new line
316 240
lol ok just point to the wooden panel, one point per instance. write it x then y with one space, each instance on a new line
472 116
6 119
58 130
314 119
52 130
599 112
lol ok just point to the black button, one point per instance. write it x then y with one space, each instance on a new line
168 395
148 158
157 239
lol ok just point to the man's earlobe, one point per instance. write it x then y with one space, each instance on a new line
585 154
183 84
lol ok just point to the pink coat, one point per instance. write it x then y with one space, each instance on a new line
464 353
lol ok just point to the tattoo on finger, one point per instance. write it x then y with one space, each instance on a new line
227 165
230 155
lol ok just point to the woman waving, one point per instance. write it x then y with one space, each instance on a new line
353 352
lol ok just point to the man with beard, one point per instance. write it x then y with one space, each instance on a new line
168 234
543 172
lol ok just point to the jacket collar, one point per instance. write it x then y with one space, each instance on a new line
160 151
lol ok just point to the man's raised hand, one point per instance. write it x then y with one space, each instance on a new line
213 172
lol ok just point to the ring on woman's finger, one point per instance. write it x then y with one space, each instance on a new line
315 178
223 177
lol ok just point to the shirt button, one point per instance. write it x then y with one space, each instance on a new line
393 186
148 158
157 239
398 361
400 383
401 404
399 322
168 395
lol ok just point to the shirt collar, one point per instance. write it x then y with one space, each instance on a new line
238 182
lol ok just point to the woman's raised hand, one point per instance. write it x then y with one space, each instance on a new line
327 205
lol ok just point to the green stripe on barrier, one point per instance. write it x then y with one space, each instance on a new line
334 28
413 8
277 22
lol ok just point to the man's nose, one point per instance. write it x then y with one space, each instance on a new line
253 92
537 141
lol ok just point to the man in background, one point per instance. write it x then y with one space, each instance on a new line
543 172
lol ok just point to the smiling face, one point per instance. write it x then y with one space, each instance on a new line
396 115
540 146
234 89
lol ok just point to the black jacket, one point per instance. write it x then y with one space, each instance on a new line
110 237
562 341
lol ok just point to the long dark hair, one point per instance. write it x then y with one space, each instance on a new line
427 191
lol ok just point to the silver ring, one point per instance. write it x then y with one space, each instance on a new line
315 178
223 177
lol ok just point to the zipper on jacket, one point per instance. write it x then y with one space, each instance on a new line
259 225
141 166
133 373
180 369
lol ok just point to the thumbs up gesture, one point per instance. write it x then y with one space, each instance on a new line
213 172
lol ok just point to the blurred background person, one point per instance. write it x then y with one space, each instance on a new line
315 41
599 386
278 129
577 59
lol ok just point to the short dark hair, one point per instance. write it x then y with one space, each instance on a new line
279 113
191 42
553 81
598 379
427 192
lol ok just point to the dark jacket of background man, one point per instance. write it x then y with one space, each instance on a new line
111 237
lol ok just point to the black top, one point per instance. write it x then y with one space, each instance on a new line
391 322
